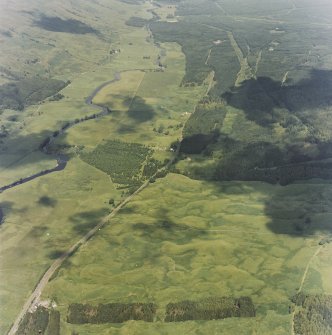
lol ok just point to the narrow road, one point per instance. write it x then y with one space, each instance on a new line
34 296
307 267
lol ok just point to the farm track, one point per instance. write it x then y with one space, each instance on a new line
136 91
308 266
221 8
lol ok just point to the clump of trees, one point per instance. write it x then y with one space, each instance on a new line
57 97
122 161
17 95
136 21
110 313
202 128
210 309
3 131
315 314
42 321
151 167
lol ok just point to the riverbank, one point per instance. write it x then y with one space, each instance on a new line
61 158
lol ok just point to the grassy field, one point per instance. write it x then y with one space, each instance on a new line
46 33
147 107
42 219
183 239
25 130
60 207
180 239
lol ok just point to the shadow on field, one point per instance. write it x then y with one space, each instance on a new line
127 210
14 140
280 162
4 206
55 254
47 201
56 24
299 211
125 129
85 221
165 229
38 232
139 111
261 98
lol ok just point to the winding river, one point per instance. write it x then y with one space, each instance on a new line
61 158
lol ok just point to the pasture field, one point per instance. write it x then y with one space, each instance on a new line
46 216
59 208
46 32
243 91
147 107
25 130
42 219
182 239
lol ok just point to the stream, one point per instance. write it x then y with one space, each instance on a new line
62 159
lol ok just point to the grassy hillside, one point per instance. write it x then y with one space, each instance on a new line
244 87
27 92
183 240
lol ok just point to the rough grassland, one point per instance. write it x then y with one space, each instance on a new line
167 107
182 239
35 123
36 231
43 218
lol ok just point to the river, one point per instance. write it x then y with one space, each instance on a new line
62 159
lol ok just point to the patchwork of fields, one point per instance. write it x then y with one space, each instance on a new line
233 98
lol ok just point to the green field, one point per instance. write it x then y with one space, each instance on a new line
166 246
235 238
35 231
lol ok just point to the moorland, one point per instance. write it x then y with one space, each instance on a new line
196 191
